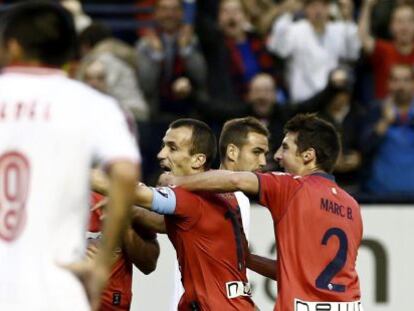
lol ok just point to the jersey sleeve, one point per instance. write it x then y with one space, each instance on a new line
275 190
112 139
188 210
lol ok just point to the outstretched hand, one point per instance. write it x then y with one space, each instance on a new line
166 179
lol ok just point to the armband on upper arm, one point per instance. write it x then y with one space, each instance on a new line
163 201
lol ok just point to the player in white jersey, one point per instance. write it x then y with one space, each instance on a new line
52 130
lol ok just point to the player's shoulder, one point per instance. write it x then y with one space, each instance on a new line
87 94
348 197
90 101
181 192
282 175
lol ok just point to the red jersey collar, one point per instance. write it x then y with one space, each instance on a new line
325 175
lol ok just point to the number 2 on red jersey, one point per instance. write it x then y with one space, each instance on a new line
324 279
14 188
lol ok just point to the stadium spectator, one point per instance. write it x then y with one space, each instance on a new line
262 13
139 247
247 54
95 76
52 129
314 46
172 73
347 117
97 45
234 55
384 54
262 103
381 16
171 70
388 137
304 196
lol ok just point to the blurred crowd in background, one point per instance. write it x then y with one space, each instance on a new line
352 62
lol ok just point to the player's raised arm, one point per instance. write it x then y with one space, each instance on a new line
145 197
368 41
216 181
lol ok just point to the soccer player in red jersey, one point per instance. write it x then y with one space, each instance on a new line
139 247
318 226
204 228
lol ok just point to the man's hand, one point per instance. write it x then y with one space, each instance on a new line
93 277
339 78
185 36
153 40
166 179
387 118
389 113
370 3
292 6
181 87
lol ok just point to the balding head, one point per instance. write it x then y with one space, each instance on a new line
262 94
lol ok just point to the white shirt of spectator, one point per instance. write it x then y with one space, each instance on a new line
244 205
52 129
311 56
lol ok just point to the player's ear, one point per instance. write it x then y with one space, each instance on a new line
232 152
309 155
14 50
198 160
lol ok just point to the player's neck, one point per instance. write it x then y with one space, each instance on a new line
226 165
26 63
311 170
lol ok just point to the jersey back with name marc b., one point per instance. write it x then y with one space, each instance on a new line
52 129
318 229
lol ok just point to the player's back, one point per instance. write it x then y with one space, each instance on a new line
318 231
47 145
210 253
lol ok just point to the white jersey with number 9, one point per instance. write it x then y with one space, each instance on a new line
52 129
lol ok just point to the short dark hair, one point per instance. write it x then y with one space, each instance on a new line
318 134
93 34
43 29
203 139
235 132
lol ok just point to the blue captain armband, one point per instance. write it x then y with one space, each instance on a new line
163 201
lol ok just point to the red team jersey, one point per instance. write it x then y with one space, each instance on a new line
318 230
207 234
117 294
